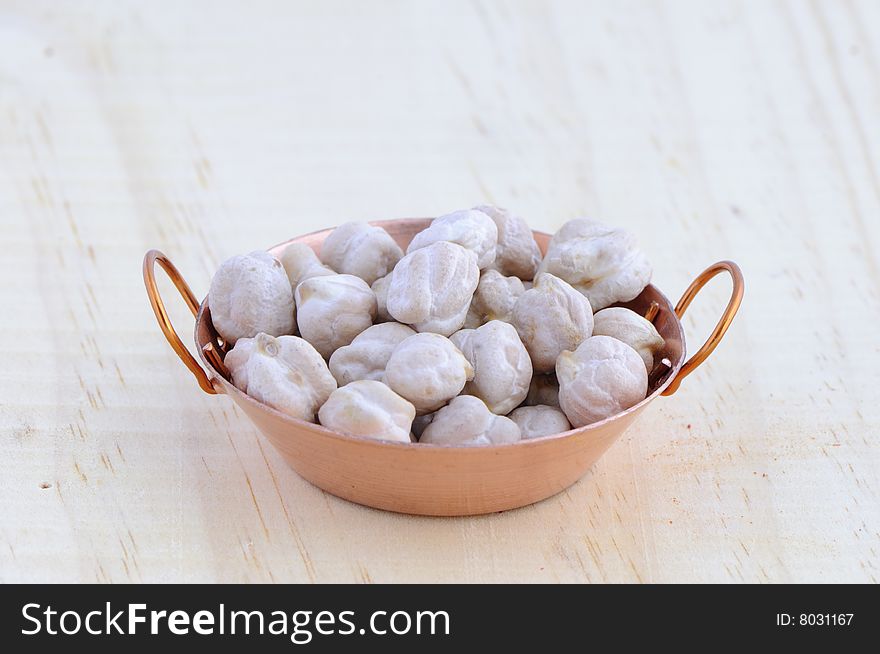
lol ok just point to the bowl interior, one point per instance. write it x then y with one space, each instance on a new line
668 360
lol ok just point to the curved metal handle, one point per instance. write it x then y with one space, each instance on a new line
726 317
150 260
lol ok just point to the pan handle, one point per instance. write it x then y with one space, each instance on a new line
150 260
726 317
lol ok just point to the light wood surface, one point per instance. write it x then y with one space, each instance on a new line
741 130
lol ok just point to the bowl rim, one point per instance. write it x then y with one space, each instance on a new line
242 397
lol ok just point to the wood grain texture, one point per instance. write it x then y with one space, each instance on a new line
742 130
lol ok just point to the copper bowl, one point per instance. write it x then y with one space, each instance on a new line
434 479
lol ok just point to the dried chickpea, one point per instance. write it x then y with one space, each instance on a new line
333 309
604 263
300 263
601 378
360 249
285 373
368 408
551 317
469 228
516 253
502 368
428 370
380 288
431 288
467 421
539 420
420 422
367 355
494 299
250 294
631 328
544 389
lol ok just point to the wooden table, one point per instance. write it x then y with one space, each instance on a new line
742 130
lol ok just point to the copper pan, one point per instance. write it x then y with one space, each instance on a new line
433 479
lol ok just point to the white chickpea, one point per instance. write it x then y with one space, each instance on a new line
467 421
539 420
631 328
362 250
604 263
380 288
367 355
285 373
494 299
431 288
428 370
601 378
470 228
250 294
544 389
368 408
517 253
551 317
333 309
420 422
502 368
300 263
